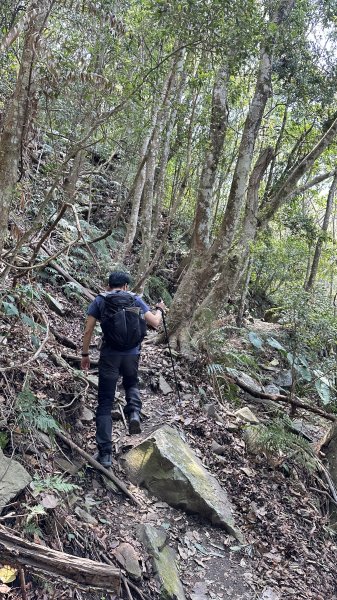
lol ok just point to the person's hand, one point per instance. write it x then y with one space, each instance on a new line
85 363
161 305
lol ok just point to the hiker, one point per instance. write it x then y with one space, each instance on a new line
123 317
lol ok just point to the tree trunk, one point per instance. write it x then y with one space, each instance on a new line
16 118
217 132
211 261
148 194
321 237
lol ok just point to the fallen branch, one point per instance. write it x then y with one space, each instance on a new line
94 463
280 398
18 552
62 339
87 293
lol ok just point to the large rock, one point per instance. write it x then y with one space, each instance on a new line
170 470
164 562
13 479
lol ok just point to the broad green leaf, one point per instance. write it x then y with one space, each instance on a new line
10 309
275 344
323 390
304 372
27 320
255 340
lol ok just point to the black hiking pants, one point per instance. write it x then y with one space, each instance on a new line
110 367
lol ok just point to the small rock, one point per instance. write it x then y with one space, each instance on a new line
87 414
246 415
271 388
85 516
217 448
13 477
231 427
127 557
164 387
67 466
270 594
54 304
210 409
45 439
284 379
251 437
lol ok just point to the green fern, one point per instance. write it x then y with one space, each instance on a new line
54 483
32 412
275 437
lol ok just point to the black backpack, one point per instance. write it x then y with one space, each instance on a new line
122 321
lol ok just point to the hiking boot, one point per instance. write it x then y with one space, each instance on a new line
104 460
134 423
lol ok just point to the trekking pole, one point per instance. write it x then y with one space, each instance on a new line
171 356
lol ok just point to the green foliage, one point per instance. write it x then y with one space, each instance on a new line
32 412
54 483
276 438
4 439
156 289
33 512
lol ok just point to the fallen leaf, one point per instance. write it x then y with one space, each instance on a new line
4 589
50 501
8 574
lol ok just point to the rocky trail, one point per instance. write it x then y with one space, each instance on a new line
281 546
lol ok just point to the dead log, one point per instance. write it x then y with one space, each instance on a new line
88 573
83 290
280 398
62 339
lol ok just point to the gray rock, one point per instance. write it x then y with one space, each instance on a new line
164 562
87 414
13 479
210 410
246 415
284 379
168 468
127 558
54 304
164 387
245 379
217 448
85 516
271 388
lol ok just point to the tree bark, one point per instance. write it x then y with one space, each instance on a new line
148 192
217 132
321 237
18 552
16 117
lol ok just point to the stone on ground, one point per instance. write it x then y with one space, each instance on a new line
13 479
54 304
85 516
168 468
87 414
164 562
127 557
164 387
246 415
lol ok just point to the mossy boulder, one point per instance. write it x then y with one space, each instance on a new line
164 562
168 468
